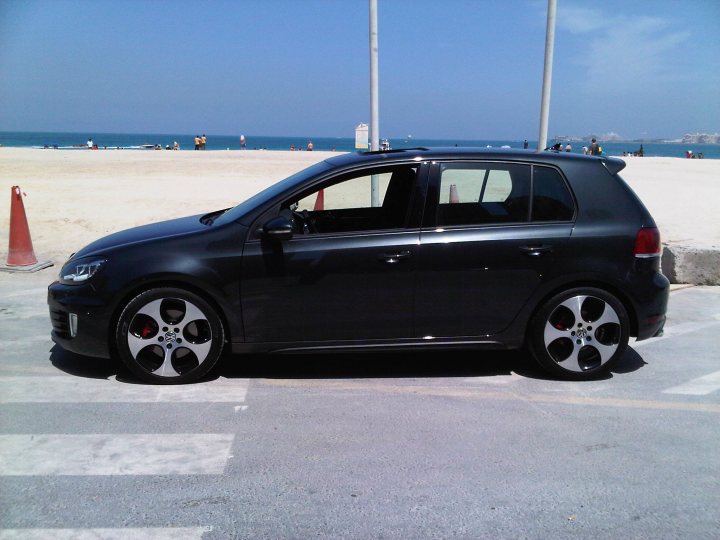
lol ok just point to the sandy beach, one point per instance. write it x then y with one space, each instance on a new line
76 196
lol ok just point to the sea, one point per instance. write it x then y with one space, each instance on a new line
120 141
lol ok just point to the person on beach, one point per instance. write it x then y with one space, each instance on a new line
203 141
594 148
309 146
525 144
568 148
243 142
197 142
176 146
90 143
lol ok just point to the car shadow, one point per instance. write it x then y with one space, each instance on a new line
399 365
375 365
630 361
82 366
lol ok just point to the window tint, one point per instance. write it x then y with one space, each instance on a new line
352 193
551 199
346 205
482 193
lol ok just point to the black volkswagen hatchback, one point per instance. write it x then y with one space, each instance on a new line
381 250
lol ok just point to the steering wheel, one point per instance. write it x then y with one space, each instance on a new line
306 222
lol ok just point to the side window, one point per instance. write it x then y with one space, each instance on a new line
498 188
351 193
345 205
551 199
483 193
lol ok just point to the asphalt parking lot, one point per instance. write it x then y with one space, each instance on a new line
432 445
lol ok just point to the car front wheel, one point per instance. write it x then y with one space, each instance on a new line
580 333
169 336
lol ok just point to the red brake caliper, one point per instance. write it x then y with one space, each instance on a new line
148 329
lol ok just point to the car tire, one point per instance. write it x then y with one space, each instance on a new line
169 336
579 334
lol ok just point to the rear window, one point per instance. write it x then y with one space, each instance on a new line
479 193
493 193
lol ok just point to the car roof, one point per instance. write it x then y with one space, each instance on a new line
614 165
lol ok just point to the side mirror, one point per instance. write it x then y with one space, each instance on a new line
279 228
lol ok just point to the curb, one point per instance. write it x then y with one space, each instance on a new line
682 264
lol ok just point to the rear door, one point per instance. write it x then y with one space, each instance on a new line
484 249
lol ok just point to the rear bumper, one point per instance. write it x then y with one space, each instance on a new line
89 332
651 302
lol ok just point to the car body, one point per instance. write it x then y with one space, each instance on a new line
381 250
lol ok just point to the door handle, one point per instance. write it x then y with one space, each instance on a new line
393 258
536 251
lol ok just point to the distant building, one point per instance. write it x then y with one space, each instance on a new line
611 136
701 138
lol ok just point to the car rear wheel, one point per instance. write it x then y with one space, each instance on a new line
169 336
580 333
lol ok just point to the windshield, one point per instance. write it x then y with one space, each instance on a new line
237 212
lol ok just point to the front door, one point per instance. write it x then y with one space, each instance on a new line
348 272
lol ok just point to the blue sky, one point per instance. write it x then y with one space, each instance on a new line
448 69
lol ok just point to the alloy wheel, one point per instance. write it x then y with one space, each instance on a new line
582 333
169 337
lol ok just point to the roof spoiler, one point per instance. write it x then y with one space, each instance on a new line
613 165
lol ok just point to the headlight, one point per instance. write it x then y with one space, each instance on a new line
80 271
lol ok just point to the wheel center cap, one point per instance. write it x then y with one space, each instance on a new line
581 333
170 336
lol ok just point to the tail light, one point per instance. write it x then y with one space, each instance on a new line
647 243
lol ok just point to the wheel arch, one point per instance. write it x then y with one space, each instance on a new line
618 293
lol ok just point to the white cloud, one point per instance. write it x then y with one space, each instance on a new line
625 53
578 20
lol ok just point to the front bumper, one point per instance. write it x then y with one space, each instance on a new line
89 333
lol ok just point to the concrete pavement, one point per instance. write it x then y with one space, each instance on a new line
435 445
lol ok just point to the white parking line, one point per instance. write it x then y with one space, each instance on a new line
28 339
70 389
702 386
173 533
29 292
166 453
678 330
494 380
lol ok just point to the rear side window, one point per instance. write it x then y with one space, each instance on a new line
483 193
551 199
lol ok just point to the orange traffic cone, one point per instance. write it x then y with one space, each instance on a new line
454 194
21 256
320 201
